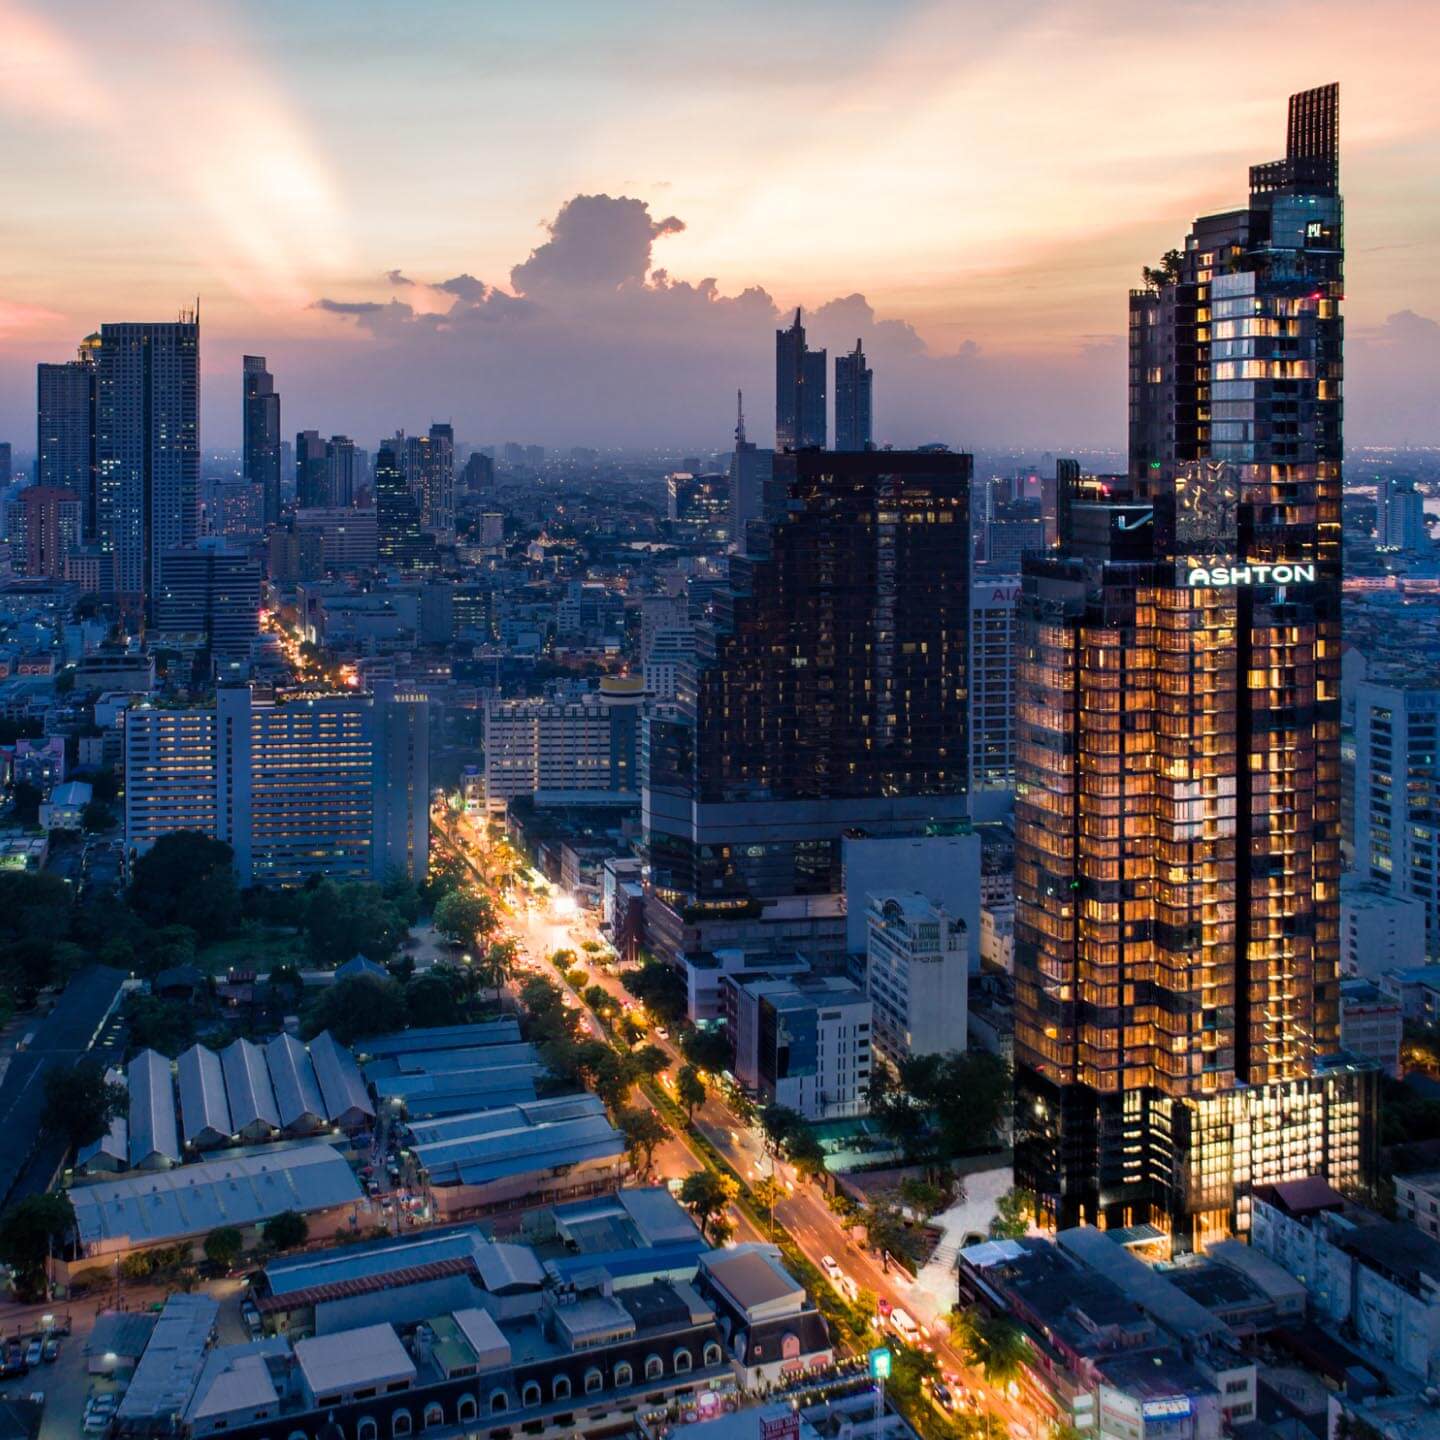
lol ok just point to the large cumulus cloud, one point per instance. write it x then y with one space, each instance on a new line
592 342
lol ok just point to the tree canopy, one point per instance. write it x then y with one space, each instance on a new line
81 1103
465 916
29 1232
187 879
285 1231
359 1005
342 921
661 989
705 1195
690 1091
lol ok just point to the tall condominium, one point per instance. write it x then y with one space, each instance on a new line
430 469
299 785
1400 516
1177 866
832 697
42 524
854 401
260 423
799 391
752 478
147 447
65 429
994 651
312 470
343 478
1397 791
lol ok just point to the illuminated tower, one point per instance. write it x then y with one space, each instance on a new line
1178 819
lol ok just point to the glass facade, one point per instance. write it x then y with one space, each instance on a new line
1178 747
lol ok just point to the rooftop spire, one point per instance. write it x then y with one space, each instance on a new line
739 418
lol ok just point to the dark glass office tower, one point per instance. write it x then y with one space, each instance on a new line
260 422
65 429
833 692
312 470
147 447
799 391
397 510
1178 818
854 412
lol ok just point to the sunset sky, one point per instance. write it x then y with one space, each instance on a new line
989 178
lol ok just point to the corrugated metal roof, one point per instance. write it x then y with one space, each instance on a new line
483 1172
297 1093
345 1289
248 1087
372 1257
195 1199
441 1037
152 1110
204 1110
507 1117
165 1378
519 1139
341 1087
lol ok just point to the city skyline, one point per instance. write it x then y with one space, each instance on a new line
983 329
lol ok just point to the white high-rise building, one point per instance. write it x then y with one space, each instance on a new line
306 784
1397 794
668 662
1400 516
917 975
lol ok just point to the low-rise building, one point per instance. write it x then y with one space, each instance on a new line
805 1043
1371 1024
917 975
1417 1199
1380 930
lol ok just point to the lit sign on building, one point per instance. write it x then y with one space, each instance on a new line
1220 577
1171 1407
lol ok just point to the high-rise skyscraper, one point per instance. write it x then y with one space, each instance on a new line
832 691
42 524
65 429
214 591
752 474
147 446
397 510
799 391
854 412
312 470
430 469
1400 516
260 416
342 472
1178 818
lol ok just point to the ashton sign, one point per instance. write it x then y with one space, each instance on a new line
1220 577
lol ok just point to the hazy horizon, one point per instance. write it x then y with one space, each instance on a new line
575 227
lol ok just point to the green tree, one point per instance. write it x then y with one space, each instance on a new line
25 801
562 960
768 1193
223 1246
431 1000
884 1226
927 1196
597 997
705 1195
805 1152
81 1103
187 878
164 1025
34 905
1013 1211
466 917
690 1091
650 1060
631 1030
706 1049
496 963
342 921
993 1342
285 1231
37 1227
779 1123
643 1130
661 989
401 894
97 815
358 1005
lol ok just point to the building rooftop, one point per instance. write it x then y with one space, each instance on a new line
1396 1248
438 1038
751 1277
153 1132
371 1355
192 1200
165 1378
204 1109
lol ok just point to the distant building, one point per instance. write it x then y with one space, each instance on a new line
854 401
994 654
211 590
401 542
917 975
587 744
1400 516
1371 1024
312 471
752 477
43 524
804 1043
65 430
349 537
1379 930
147 447
799 391
260 455
1417 1199
343 479
1397 793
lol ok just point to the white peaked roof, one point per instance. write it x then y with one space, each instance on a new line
152 1110
247 1084
204 1110
341 1087
297 1093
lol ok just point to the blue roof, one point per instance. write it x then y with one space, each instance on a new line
441 1037
601 1149
374 1257
623 1264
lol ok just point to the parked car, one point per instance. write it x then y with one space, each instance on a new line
50 1351
33 1352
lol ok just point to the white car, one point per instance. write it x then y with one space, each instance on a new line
830 1265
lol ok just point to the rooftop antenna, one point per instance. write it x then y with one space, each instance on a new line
739 418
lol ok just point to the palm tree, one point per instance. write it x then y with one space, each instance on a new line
993 1342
